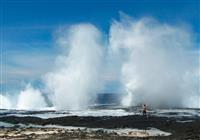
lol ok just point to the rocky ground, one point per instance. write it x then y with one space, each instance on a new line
181 128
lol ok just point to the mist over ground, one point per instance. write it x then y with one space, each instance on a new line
156 63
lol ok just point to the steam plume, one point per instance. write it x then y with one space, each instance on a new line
78 78
4 102
31 98
158 65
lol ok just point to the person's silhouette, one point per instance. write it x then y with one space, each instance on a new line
144 111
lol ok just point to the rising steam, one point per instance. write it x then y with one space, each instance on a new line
156 63
159 66
5 102
78 78
31 98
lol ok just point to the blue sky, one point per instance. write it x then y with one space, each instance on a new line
28 28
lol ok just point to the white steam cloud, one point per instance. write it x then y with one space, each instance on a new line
5 102
31 98
158 67
28 99
156 64
78 78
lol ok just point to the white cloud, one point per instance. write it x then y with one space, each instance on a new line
156 64
77 79
31 98
5 102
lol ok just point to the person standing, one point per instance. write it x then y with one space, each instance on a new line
144 110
